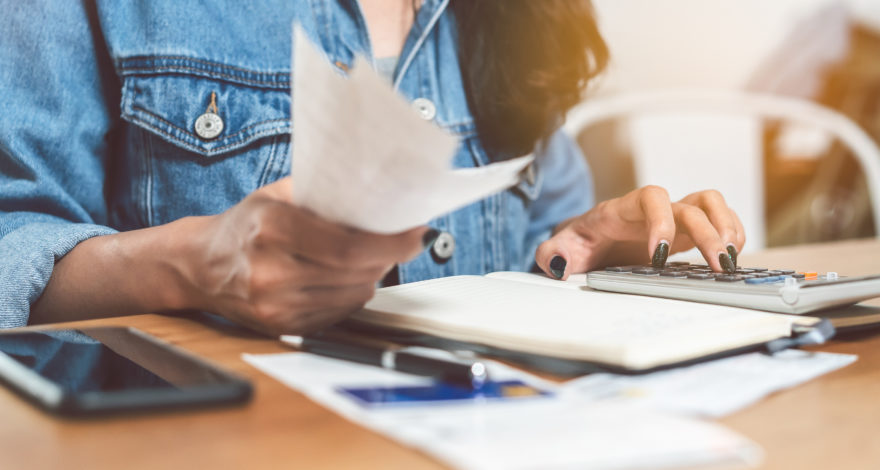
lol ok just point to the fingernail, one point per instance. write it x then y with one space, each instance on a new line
430 237
660 254
731 250
557 266
726 264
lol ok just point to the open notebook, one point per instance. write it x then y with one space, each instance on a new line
536 315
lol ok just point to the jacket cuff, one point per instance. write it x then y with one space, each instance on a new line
27 258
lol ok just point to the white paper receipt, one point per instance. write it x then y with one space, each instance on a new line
552 433
359 148
714 389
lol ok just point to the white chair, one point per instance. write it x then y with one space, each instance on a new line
750 106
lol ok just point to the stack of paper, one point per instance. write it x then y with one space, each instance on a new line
364 158
543 433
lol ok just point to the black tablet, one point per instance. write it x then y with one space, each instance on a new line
113 369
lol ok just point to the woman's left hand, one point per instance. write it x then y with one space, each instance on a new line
644 227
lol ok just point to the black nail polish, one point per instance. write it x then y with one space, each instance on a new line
557 266
731 250
430 237
660 255
726 263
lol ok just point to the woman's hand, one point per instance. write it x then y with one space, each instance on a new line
641 227
278 269
264 263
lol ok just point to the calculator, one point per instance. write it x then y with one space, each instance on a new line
774 290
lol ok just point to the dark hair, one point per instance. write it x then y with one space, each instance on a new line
525 63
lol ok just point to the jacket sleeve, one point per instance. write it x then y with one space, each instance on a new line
58 92
566 190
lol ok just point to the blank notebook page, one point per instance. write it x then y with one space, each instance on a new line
625 330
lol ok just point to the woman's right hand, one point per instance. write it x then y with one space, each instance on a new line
277 268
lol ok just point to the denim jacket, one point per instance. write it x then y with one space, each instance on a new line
98 103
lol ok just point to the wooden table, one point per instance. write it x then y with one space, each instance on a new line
831 422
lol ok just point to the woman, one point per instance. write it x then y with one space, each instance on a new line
116 197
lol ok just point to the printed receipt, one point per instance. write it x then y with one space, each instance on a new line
363 157
546 433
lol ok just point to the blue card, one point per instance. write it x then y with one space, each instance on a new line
440 392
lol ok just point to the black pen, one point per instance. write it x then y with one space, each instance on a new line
460 372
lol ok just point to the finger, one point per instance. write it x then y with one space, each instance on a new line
552 256
719 214
647 209
311 322
307 322
628 218
275 270
335 246
740 231
582 244
329 313
288 310
331 244
693 221
569 252
660 220
281 190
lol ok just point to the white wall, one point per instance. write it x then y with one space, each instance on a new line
765 45
866 12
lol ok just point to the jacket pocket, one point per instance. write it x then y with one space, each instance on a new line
168 95
172 168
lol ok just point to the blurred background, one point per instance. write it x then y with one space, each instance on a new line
791 181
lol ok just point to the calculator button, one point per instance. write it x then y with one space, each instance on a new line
757 270
756 280
747 276
798 275
728 278
785 271
678 263
767 274
775 272
700 276
674 274
745 271
699 266
646 271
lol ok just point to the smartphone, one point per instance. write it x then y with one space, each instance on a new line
109 370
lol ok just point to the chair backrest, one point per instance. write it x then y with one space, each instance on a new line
737 103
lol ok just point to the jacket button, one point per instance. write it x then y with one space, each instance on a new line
443 247
425 107
208 126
